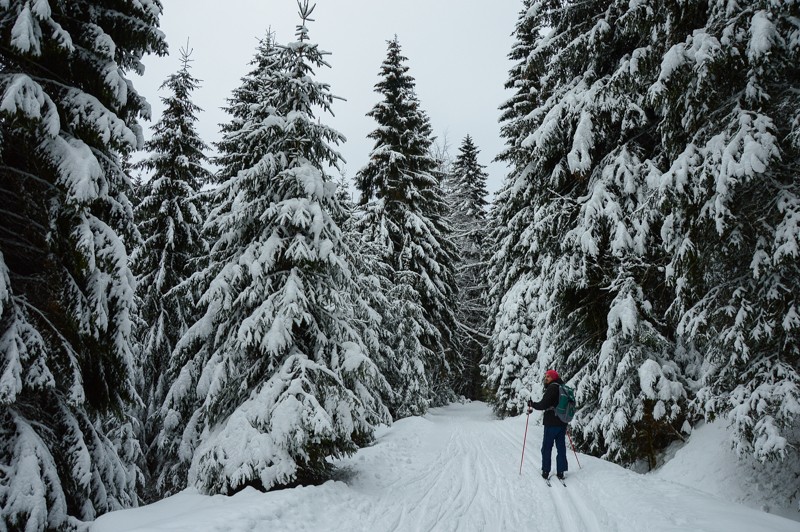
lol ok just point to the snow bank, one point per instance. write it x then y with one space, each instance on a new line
707 463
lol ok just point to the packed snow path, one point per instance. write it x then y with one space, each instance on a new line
456 469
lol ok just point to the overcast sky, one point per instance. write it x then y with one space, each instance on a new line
457 52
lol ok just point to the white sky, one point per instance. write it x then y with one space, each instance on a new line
456 51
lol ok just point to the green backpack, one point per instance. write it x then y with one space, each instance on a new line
565 410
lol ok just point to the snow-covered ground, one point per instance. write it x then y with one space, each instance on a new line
708 462
457 469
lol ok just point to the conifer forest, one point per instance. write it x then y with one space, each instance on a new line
179 312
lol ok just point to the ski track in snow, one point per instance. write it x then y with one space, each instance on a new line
449 482
455 470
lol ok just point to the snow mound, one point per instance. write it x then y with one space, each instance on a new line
708 463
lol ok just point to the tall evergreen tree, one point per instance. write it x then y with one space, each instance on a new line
175 445
728 95
469 180
394 327
509 351
661 148
277 359
404 215
469 222
579 262
67 112
170 219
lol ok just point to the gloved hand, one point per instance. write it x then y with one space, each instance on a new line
530 406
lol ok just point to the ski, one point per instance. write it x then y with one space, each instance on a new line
563 483
547 481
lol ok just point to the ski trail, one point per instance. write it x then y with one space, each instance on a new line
592 522
572 512
458 470
565 514
462 479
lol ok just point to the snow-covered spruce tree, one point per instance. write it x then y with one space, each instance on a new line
273 379
509 352
404 215
581 206
175 445
170 220
469 181
67 111
384 310
394 327
731 196
468 218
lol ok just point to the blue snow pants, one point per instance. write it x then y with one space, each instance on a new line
558 436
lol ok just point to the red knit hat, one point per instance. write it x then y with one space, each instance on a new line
553 374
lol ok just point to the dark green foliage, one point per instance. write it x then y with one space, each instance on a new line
468 219
170 218
68 117
404 216
647 234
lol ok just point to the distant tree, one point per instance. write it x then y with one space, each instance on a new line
468 218
404 216
439 151
345 198
277 359
469 178
170 219
137 184
68 115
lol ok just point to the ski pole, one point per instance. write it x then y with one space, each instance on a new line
524 439
573 450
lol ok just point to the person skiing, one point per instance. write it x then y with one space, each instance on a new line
555 430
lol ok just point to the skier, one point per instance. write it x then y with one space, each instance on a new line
555 430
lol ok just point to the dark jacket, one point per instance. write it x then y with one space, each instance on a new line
548 404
